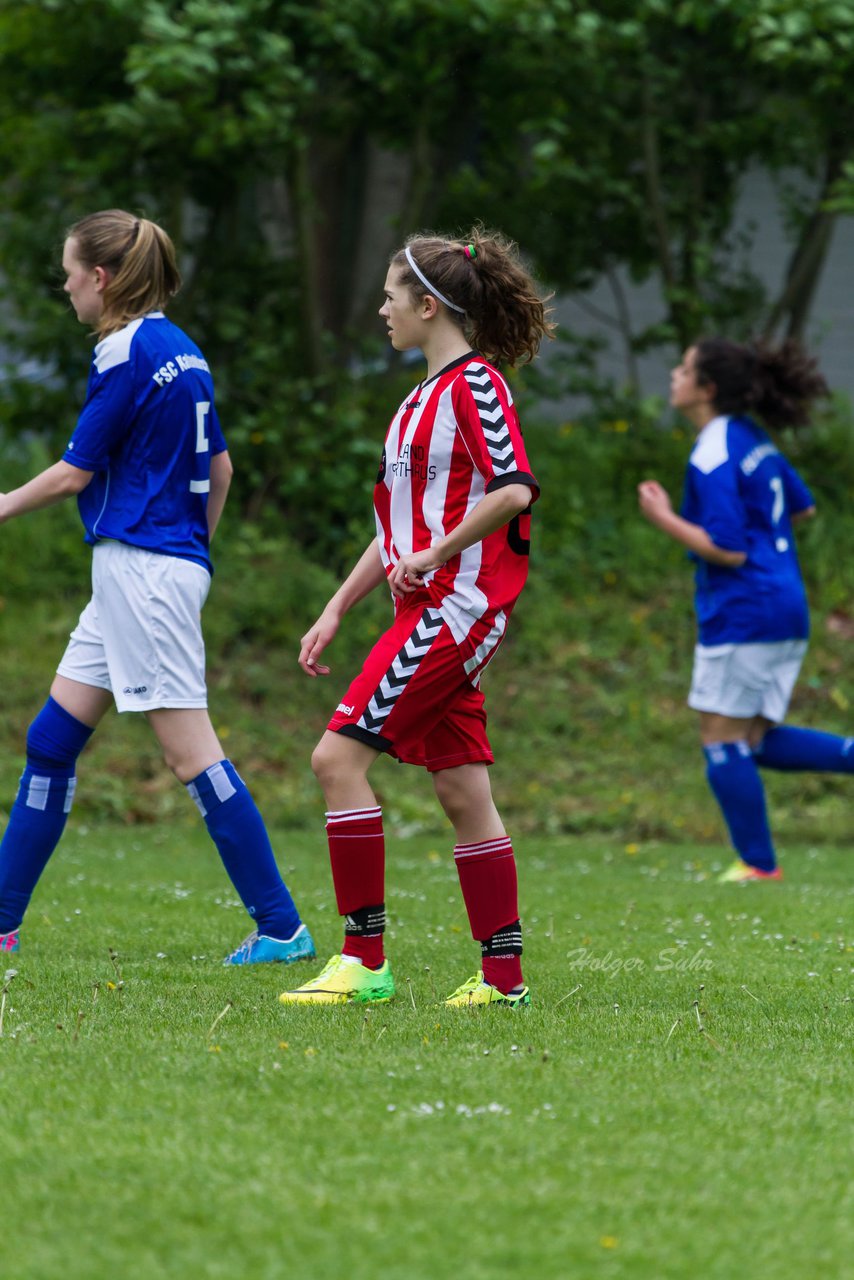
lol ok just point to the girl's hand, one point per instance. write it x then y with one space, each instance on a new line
408 574
654 500
314 642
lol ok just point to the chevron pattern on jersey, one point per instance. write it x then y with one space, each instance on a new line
401 671
495 429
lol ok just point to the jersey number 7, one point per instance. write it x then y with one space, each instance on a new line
782 544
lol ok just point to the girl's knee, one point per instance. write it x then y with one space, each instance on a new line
446 787
333 759
455 791
175 763
321 762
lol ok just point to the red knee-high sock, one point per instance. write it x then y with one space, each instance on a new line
357 854
487 871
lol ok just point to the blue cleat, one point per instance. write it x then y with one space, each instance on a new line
259 949
10 941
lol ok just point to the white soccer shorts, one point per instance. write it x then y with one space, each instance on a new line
140 636
746 680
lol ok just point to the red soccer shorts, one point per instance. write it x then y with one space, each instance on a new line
413 698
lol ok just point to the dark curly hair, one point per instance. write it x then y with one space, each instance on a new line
777 384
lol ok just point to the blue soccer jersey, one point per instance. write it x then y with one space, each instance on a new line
743 492
148 430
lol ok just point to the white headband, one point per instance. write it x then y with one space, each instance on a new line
431 288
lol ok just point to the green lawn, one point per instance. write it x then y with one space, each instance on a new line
676 1102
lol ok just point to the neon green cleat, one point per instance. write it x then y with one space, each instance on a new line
344 980
741 872
477 992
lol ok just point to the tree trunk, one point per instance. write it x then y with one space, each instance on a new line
807 261
661 227
304 217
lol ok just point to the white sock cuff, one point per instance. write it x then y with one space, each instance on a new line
353 815
501 845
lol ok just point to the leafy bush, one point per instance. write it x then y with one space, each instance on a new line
586 700
588 530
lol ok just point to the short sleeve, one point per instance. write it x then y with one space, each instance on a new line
489 425
713 501
217 439
104 418
798 496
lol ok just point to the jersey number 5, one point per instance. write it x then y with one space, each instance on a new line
203 444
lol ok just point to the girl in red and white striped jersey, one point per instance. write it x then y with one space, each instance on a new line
452 504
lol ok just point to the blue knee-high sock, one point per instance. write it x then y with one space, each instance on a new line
46 791
734 779
237 829
805 749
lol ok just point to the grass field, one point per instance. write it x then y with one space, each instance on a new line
676 1102
674 1106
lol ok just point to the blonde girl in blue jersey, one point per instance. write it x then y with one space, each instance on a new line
742 498
149 467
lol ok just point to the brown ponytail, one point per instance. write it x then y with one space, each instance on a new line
140 258
500 309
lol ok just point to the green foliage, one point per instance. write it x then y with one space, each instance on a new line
638 122
825 456
586 522
308 458
287 146
45 552
164 1116
586 699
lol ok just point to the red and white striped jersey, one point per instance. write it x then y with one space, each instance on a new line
452 441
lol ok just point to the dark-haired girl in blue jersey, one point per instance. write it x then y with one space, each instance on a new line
742 499
149 467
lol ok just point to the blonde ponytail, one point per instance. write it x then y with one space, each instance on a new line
140 258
